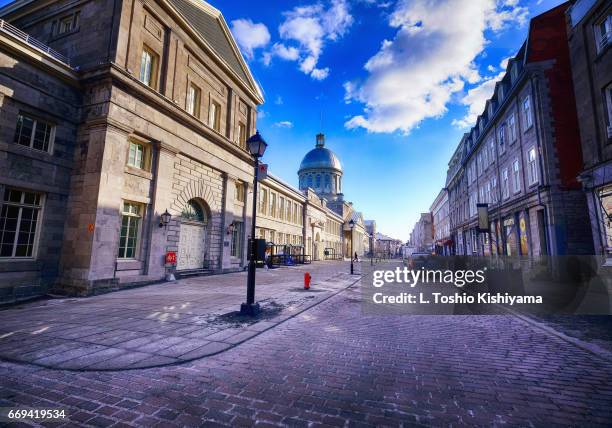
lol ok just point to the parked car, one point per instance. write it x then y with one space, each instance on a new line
418 260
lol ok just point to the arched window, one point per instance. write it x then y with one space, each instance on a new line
193 211
327 180
310 181
318 183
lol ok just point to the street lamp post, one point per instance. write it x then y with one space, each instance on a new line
351 226
257 146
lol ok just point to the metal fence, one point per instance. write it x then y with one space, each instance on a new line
16 32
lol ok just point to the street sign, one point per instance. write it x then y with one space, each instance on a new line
171 258
262 171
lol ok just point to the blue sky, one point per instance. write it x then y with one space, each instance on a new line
396 83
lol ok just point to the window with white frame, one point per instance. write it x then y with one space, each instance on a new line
131 216
485 156
603 33
34 133
492 150
488 199
479 158
242 135
481 195
214 116
194 94
19 223
512 128
505 184
137 155
501 137
516 178
533 165
149 63
527 113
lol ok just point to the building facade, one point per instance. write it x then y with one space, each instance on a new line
441 227
522 158
590 43
114 113
421 237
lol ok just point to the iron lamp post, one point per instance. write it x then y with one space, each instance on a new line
351 226
257 147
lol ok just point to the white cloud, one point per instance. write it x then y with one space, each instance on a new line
304 32
414 76
504 63
491 68
250 36
284 124
279 100
261 114
475 100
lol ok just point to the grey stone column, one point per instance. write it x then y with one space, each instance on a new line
160 202
227 218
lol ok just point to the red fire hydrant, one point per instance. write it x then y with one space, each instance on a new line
307 279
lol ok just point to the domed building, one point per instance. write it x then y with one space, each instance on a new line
320 174
321 171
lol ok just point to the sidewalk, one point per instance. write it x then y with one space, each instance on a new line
160 324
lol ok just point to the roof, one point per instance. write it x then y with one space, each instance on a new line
208 22
320 157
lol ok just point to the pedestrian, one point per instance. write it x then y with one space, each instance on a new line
356 258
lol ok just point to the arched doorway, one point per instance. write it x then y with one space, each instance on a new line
193 236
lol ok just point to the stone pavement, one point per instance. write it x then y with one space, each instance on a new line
334 366
160 324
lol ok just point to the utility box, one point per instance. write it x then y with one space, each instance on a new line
260 250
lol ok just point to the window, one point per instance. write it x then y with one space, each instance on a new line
148 67
272 204
492 150
214 116
263 201
512 128
501 134
66 25
239 191
19 219
505 184
236 245
485 157
281 211
608 98
488 197
288 210
318 182
527 115
309 181
603 33
516 181
34 133
136 155
131 214
242 135
494 190
533 167
194 94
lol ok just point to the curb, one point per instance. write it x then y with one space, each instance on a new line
593 349
176 363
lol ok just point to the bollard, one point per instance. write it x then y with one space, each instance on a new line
307 279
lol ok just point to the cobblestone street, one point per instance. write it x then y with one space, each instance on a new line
334 366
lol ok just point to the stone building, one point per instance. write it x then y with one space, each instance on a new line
114 113
321 173
121 112
590 44
421 237
441 228
386 246
521 159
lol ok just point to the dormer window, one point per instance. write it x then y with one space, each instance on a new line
66 24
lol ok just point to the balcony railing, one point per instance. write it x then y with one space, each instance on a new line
16 32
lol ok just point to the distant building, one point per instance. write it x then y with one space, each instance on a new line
421 237
441 226
386 246
590 44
